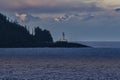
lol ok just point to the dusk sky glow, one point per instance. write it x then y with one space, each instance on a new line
55 5
90 20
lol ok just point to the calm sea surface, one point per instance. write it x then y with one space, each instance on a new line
60 64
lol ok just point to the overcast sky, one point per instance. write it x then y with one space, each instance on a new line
90 20
56 6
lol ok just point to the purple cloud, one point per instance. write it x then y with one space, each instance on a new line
47 6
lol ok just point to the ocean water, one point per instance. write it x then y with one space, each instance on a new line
60 64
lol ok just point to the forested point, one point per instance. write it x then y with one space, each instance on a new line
14 35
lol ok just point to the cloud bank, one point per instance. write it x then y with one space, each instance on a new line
48 6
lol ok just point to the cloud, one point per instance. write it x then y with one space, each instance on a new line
109 4
22 17
57 6
65 8
47 6
26 18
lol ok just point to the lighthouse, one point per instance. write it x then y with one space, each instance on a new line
63 38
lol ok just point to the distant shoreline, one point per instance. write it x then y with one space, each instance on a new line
14 35
47 45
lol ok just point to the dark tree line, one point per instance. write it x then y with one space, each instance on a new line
13 34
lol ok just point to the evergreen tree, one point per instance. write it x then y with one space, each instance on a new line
13 34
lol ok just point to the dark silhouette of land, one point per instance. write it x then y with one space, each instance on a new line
15 35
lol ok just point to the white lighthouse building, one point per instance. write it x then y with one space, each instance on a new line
63 39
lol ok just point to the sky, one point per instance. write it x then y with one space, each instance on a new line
81 20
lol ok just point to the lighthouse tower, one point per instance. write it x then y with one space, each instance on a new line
63 37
